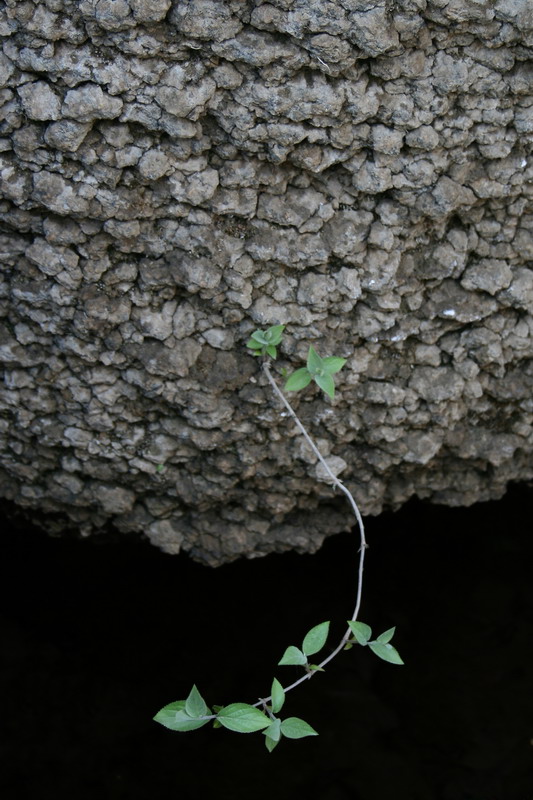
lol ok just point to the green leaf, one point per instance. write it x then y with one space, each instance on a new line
386 636
298 380
294 728
175 718
195 705
167 714
278 696
332 364
271 350
243 718
270 744
183 722
259 336
274 730
386 651
315 639
274 333
314 362
361 632
292 656
316 668
326 383
253 344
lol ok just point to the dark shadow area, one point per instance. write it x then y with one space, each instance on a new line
98 635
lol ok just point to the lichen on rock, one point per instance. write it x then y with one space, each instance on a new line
176 174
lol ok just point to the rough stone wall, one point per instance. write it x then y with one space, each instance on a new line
175 174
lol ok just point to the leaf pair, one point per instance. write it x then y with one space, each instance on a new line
192 713
185 715
380 646
292 727
313 641
265 342
319 370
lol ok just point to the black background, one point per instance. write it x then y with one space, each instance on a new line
98 634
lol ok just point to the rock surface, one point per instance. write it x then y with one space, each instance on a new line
176 174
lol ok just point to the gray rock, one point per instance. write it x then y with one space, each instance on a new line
423 138
51 259
115 499
301 99
154 164
66 134
205 19
258 48
293 208
39 101
170 362
436 384
449 73
150 10
422 447
181 97
517 12
386 140
371 30
520 292
195 188
315 291
156 323
166 534
112 15
59 195
7 69
336 465
175 175
220 338
489 274
90 103
450 301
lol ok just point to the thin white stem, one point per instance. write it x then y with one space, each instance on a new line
363 544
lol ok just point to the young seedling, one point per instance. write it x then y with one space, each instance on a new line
193 713
318 370
264 343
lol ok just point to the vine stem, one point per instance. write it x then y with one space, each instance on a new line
363 543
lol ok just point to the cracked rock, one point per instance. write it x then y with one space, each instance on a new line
90 103
175 174
39 101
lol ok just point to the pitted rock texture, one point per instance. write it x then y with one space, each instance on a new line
175 174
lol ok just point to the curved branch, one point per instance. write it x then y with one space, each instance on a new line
363 543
